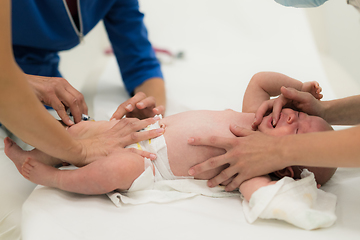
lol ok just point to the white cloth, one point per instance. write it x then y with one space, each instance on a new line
145 190
299 202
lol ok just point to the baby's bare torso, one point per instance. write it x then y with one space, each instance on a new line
180 127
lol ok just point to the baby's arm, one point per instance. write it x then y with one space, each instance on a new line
248 187
264 85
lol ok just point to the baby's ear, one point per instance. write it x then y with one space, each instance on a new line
286 172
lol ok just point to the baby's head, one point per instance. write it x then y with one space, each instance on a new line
294 122
322 175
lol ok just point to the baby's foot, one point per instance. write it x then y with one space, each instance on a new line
15 153
18 155
39 173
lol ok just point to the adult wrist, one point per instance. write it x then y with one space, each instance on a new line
284 151
325 112
77 153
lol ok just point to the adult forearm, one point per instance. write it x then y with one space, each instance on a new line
20 110
322 149
345 111
154 87
26 117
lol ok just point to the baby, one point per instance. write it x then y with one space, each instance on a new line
174 155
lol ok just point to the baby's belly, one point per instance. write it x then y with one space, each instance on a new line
183 156
179 128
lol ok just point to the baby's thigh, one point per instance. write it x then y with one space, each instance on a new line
125 167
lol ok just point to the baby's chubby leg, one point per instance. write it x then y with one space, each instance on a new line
116 171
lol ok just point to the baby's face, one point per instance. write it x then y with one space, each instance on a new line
293 122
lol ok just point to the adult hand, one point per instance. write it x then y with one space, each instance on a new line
304 101
124 133
249 155
138 106
60 95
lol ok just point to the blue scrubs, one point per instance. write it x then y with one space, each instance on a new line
40 29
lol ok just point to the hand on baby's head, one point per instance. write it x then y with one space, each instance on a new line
293 122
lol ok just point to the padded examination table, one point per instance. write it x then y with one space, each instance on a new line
225 43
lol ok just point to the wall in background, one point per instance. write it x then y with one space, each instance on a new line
336 29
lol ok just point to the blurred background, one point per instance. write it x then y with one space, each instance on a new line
335 27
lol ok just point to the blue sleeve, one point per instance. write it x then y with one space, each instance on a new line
129 39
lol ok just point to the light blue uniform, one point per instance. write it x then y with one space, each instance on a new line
301 3
313 3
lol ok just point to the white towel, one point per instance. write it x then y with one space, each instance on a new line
144 190
299 202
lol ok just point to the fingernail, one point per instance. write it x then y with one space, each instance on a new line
274 122
191 140
160 130
140 104
156 118
152 156
191 172
209 184
71 122
128 107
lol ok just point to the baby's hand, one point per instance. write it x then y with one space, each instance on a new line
313 88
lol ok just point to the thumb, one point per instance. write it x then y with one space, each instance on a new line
240 131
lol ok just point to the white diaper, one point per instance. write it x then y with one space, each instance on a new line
157 146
